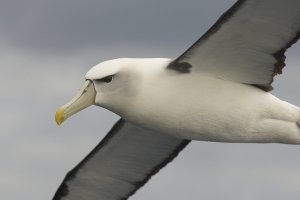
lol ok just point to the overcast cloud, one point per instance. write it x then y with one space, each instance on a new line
46 47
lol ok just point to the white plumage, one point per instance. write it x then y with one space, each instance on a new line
218 90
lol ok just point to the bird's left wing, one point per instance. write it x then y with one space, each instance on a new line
246 44
120 164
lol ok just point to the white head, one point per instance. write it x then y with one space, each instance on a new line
114 81
112 84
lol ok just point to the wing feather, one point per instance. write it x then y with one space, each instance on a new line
120 164
247 44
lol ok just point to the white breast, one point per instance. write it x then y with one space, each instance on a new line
212 110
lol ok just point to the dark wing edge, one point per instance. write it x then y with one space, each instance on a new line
161 165
184 67
63 189
280 64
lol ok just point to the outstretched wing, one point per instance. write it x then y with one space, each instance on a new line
120 164
247 44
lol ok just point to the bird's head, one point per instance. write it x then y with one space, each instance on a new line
112 85
106 85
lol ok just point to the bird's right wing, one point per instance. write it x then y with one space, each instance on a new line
247 44
120 164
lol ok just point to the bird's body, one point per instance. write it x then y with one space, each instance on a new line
217 90
168 102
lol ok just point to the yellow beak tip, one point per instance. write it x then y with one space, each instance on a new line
59 118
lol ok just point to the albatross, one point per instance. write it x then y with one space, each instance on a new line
217 90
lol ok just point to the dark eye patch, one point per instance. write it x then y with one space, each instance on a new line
106 79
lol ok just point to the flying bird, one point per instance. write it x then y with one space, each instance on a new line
217 90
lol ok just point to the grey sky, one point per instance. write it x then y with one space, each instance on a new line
46 47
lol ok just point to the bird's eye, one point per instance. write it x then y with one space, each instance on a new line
106 79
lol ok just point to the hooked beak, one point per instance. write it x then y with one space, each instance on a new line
83 99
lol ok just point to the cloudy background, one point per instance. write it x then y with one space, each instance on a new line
46 47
